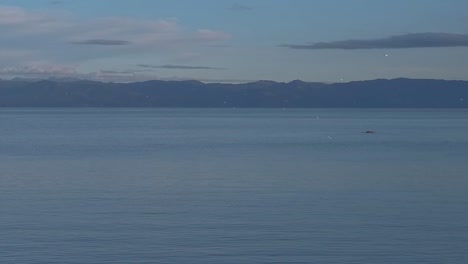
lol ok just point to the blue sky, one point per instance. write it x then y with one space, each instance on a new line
234 41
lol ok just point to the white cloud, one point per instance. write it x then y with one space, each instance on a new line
52 36
38 70
44 71
119 76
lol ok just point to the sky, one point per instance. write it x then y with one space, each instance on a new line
234 41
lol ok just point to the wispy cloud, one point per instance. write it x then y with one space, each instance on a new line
119 75
106 42
415 40
44 71
239 7
21 21
179 67
49 33
209 35
38 70
123 71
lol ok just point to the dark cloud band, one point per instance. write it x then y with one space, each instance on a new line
417 40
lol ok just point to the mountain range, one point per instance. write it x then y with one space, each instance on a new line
380 93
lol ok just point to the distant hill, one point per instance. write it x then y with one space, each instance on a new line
395 93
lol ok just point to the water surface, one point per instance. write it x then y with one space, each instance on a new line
233 186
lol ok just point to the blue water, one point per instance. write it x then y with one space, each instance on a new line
233 186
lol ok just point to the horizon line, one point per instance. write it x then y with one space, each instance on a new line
205 81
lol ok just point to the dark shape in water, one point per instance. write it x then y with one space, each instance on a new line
369 132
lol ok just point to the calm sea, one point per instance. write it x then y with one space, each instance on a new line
233 186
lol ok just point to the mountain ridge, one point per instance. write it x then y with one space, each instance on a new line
378 93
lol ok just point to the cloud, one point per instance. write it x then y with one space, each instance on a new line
140 32
16 54
44 71
415 40
20 21
38 70
239 7
119 76
179 67
107 42
122 71
212 35
49 33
